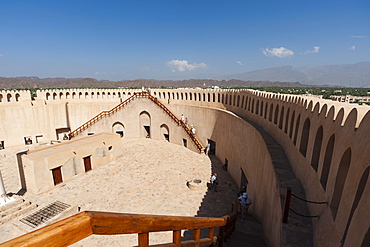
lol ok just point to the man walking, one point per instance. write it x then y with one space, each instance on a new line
214 181
244 201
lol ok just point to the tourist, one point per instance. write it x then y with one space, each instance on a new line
207 148
244 201
214 181
193 130
182 117
186 122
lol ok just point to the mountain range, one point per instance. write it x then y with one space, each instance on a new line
348 75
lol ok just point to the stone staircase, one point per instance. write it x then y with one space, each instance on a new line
14 209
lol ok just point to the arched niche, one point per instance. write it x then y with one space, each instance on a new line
118 128
145 123
165 131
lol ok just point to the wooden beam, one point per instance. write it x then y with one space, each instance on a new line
104 223
61 233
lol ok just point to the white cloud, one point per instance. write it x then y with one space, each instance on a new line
315 50
1 55
278 52
183 65
240 63
354 36
352 48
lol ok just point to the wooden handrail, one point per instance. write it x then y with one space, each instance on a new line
122 104
84 224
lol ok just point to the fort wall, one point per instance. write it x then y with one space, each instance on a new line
326 142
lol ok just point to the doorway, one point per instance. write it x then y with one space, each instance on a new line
243 180
87 163
57 175
212 147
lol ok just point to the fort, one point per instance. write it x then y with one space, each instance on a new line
63 133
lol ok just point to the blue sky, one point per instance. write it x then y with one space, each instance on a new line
161 39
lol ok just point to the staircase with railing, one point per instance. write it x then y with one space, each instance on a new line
84 224
136 95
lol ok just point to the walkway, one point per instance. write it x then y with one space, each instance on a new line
299 230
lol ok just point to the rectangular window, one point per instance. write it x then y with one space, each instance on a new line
28 140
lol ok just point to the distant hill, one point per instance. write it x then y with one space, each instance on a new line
349 75
35 82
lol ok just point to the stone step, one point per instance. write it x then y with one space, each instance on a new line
12 204
25 208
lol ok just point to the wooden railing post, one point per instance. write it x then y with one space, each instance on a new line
196 235
176 238
287 204
144 239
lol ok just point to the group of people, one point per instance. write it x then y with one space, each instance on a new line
244 200
186 121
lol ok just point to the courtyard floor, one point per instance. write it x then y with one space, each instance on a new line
150 177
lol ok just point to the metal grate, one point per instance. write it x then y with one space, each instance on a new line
45 214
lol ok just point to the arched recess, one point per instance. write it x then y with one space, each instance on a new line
327 161
265 115
304 137
257 106
17 97
276 114
9 97
360 189
238 101
340 180
165 131
317 148
296 129
47 96
291 125
286 121
68 96
261 110
281 118
145 124
252 110
118 128
270 112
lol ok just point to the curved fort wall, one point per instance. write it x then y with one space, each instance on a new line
326 143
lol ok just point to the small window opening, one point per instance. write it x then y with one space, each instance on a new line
185 142
28 140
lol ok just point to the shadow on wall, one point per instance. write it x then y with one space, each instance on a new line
218 204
